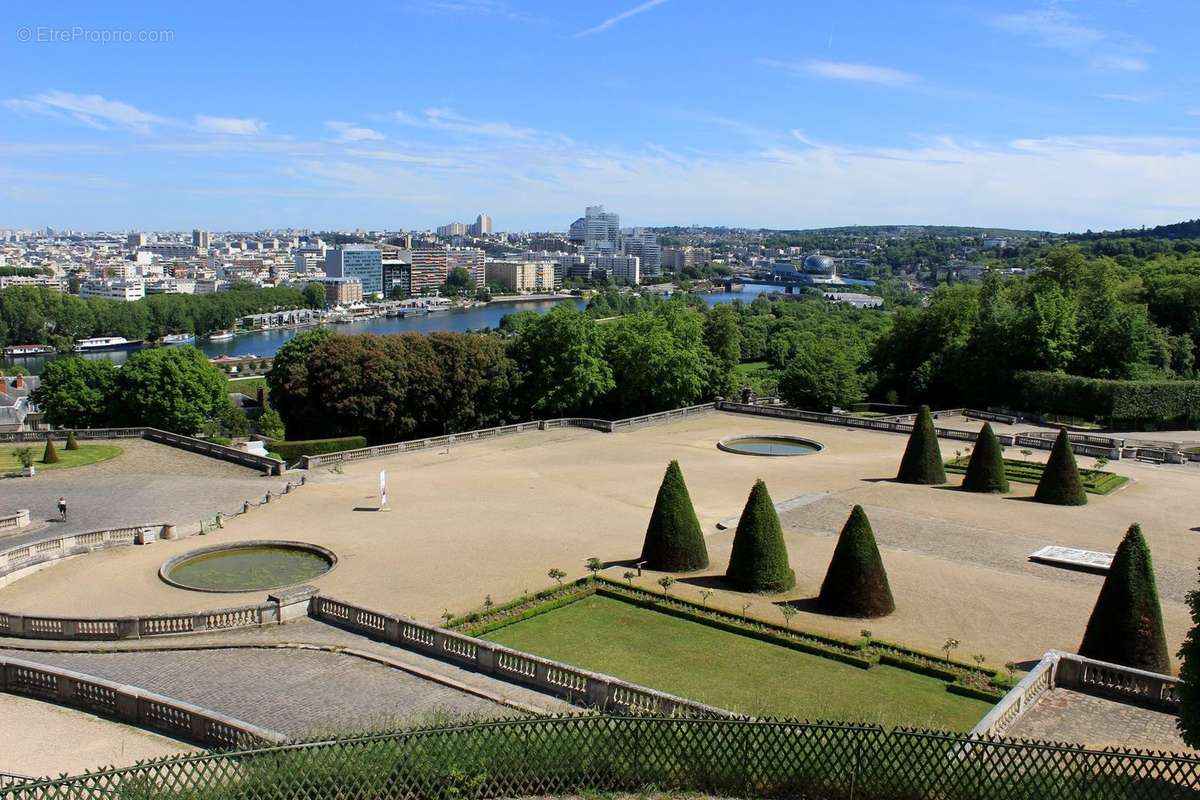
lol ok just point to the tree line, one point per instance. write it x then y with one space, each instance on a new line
35 315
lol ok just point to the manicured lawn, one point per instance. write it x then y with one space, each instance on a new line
1094 481
86 454
247 386
734 672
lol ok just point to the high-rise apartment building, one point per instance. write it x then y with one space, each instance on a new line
453 229
362 261
644 244
617 265
522 276
482 226
472 259
200 239
136 240
430 266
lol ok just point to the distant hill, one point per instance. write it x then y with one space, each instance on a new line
1179 230
866 230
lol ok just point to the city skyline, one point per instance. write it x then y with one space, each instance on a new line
1042 115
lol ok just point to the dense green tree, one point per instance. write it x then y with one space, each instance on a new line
476 382
76 392
270 424
922 461
172 388
985 470
288 386
856 584
1060 483
759 561
1126 625
561 358
1189 676
658 359
674 541
314 295
821 375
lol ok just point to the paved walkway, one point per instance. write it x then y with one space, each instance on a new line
54 740
149 482
262 675
1062 715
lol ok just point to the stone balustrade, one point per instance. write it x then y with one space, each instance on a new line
578 686
16 561
270 466
174 718
1087 676
12 522
394 448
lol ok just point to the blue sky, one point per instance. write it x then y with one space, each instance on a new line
774 113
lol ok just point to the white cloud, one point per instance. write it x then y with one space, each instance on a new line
1054 28
619 18
90 109
445 119
230 126
845 71
348 132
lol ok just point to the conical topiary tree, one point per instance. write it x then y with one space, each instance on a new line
71 443
759 562
1060 484
49 455
674 542
1189 677
1126 626
985 471
922 462
856 584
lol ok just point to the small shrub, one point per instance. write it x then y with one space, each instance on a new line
71 443
1126 625
759 562
922 461
24 456
1060 484
985 472
674 541
49 455
856 584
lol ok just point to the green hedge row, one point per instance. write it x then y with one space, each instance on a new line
291 451
1094 481
1133 404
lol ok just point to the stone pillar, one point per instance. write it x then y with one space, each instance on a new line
169 532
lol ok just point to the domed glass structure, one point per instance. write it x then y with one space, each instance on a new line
818 265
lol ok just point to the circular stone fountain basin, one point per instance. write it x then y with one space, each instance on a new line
775 445
247 566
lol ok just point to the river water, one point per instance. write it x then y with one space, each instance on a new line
267 343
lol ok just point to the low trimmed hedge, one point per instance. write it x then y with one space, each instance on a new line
1094 481
292 451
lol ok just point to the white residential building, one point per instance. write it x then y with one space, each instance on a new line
123 291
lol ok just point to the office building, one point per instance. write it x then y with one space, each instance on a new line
136 240
617 266
471 259
200 239
482 226
397 274
522 276
122 291
362 261
169 249
644 244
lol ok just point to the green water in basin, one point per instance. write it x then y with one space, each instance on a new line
247 569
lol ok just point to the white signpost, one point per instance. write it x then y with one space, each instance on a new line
383 506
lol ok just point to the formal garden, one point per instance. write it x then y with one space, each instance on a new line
66 454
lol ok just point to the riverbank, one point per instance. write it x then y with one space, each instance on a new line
517 298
